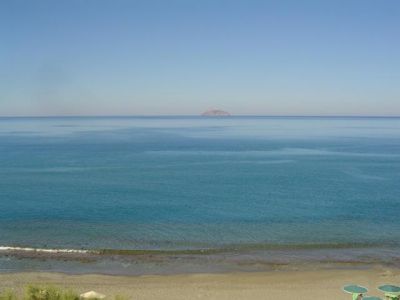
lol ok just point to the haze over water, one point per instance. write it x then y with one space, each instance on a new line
195 183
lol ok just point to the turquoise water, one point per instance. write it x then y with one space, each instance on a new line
195 183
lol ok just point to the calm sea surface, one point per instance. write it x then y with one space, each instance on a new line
195 182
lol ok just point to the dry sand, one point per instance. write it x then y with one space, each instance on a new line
322 284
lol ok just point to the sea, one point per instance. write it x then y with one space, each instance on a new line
165 194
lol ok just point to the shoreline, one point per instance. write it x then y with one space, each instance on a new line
11 249
143 262
294 284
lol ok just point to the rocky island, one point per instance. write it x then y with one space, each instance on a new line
215 113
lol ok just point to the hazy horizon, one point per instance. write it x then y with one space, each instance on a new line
197 115
147 58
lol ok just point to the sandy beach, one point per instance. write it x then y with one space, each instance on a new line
319 284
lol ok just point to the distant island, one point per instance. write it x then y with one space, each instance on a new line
215 113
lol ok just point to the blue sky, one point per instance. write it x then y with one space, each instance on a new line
95 57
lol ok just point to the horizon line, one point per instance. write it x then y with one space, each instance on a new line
199 115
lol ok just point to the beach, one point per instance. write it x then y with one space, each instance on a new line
216 150
296 284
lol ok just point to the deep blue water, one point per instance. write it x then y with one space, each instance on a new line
192 182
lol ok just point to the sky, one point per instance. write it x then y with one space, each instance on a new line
178 57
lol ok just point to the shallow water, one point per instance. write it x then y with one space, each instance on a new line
195 183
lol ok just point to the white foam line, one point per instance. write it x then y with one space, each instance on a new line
27 249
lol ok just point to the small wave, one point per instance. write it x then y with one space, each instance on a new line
237 248
44 250
277 152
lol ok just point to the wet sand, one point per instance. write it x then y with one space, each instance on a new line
312 284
